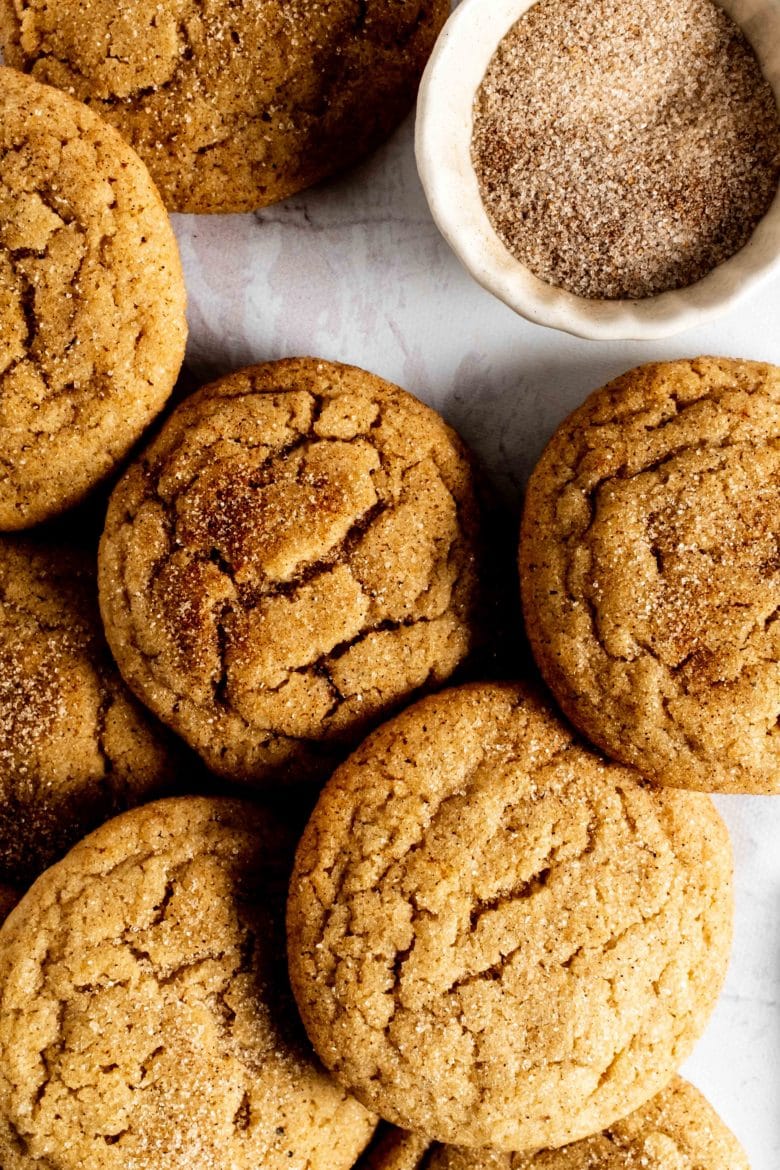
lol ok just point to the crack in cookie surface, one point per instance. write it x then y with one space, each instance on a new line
75 746
650 564
91 301
233 106
495 937
162 1031
293 556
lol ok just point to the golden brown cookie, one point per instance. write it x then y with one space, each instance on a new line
75 746
145 1018
92 324
650 568
677 1130
292 557
233 106
495 937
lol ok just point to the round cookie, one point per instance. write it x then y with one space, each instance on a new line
161 1034
650 569
292 557
495 937
92 323
75 746
677 1130
233 106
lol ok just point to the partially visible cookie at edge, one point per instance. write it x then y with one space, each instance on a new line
497 938
92 324
75 746
676 1130
650 570
294 556
233 106
162 1032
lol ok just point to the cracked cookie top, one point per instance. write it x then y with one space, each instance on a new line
650 569
145 1018
291 558
75 746
495 937
233 106
91 301
677 1130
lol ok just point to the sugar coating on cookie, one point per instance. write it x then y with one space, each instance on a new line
650 569
294 555
495 937
92 323
145 1019
75 746
676 1130
233 106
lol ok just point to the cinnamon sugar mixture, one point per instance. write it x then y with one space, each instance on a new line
625 147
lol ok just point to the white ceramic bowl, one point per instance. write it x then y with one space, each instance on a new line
443 149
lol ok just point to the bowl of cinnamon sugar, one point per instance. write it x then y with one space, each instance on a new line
607 167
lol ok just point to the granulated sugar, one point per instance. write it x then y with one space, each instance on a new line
625 147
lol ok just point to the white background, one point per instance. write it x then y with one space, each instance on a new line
356 271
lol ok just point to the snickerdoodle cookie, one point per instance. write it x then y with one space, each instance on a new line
495 937
75 746
145 1018
650 567
92 321
294 555
676 1130
233 106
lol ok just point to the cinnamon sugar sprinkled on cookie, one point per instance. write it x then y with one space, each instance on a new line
92 297
292 558
161 1032
677 1130
232 106
495 937
650 571
625 147
75 747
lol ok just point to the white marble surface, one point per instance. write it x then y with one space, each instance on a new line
356 271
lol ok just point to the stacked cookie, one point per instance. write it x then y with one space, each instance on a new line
500 940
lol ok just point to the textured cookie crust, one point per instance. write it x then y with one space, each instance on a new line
290 559
233 106
145 1019
650 569
497 939
92 324
75 746
677 1130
